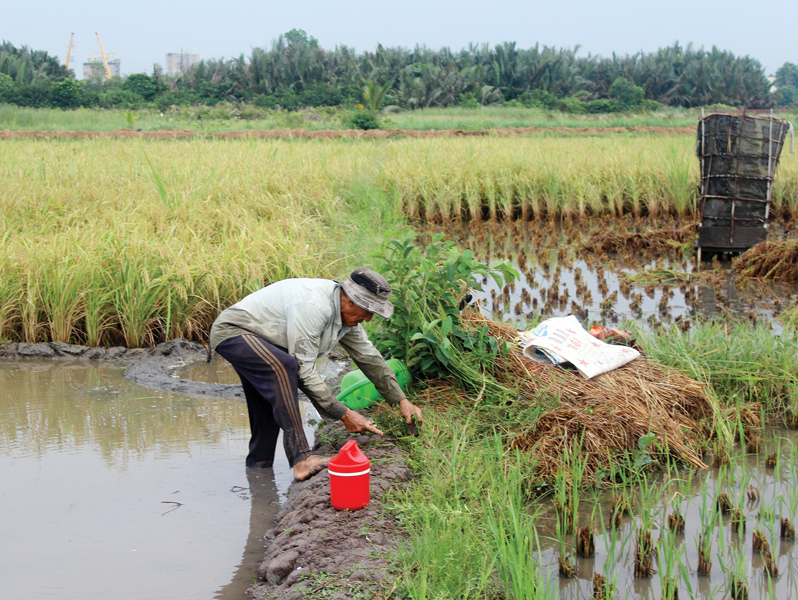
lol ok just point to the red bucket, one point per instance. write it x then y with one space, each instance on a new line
349 478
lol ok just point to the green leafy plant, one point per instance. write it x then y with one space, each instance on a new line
431 284
642 456
363 119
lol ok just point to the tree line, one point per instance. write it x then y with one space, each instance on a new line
295 72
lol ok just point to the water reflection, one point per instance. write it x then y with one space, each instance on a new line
262 492
560 278
118 491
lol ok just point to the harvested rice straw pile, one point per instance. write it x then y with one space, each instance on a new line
658 239
776 260
613 410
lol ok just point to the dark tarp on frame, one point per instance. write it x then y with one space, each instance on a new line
739 154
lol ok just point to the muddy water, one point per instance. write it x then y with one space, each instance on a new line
559 277
773 484
110 490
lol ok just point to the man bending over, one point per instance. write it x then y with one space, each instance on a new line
273 338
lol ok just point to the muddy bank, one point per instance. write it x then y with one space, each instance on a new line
153 368
180 134
311 546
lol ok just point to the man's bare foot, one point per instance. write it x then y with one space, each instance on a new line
309 467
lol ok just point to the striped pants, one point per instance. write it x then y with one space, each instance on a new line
269 377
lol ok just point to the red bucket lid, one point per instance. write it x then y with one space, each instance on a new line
349 460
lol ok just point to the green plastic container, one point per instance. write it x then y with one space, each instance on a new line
358 392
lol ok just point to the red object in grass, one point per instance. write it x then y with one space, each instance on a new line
349 478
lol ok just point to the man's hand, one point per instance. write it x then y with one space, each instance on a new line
408 409
357 423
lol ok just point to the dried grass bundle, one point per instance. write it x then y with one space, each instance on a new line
607 414
776 260
656 240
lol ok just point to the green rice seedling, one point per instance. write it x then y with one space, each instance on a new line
466 496
724 504
565 560
517 547
169 200
739 575
563 501
644 553
720 457
708 516
676 521
737 516
599 587
622 503
644 546
567 484
770 545
605 586
669 561
789 504
683 480
767 512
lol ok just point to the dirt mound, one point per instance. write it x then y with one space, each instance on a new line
607 414
180 134
314 547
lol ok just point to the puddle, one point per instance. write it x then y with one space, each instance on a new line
772 484
559 279
110 490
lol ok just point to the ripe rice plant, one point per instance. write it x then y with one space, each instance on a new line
93 254
239 213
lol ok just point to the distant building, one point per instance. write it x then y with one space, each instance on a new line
93 68
180 62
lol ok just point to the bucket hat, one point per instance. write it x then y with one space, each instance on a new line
370 291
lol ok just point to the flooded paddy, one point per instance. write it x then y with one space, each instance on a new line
113 490
561 276
562 273
693 494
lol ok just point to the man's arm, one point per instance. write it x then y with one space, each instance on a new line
373 365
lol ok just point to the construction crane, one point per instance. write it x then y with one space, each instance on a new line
69 50
102 53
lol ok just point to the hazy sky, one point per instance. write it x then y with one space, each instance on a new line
142 32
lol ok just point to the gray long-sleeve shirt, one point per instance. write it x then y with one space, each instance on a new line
304 317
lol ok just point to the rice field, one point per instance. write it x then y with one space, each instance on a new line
230 117
112 241
135 241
